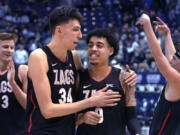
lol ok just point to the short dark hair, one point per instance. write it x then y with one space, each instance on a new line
108 35
8 36
63 14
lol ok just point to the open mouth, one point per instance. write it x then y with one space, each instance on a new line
93 56
75 43
8 55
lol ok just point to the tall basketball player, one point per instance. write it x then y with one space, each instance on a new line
52 71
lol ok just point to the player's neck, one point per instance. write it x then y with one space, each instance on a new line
58 51
99 72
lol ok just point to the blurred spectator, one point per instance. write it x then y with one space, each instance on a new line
21 55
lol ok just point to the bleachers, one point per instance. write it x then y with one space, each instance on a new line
118 18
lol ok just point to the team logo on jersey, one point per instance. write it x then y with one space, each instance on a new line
63 77
110 85
86 86
54 64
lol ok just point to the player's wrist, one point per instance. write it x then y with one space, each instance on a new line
80 119
167 32
91 102
12 82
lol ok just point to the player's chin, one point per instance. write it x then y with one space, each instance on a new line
75 44
72 47
8 59
93 62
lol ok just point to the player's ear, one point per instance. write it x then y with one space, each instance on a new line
58 29
111 50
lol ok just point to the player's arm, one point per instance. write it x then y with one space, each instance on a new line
23 70
128 80
169 46
132 121
171 75
41 84
77 60
78 65
18 92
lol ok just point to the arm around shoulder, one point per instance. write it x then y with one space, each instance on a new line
77 60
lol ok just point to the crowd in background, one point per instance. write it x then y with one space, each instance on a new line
28 18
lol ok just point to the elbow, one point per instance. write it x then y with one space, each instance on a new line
46 113
24 106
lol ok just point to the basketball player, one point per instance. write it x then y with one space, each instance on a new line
13 86
52 70
166 119
102 46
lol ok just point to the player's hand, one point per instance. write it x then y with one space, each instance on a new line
105 97
91 118
128 78
161 26
143 19
11 72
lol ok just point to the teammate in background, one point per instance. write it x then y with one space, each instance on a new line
13 87
102 46
52 71
166 119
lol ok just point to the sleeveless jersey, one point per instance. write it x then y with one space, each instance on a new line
113 118
62 77
12 115
166 119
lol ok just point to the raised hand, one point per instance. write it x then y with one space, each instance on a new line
128 81
128 78
143 19
161 26
11 72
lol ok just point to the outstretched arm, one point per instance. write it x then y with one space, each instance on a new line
169 46
171 74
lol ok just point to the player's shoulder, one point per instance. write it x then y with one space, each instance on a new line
37 54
